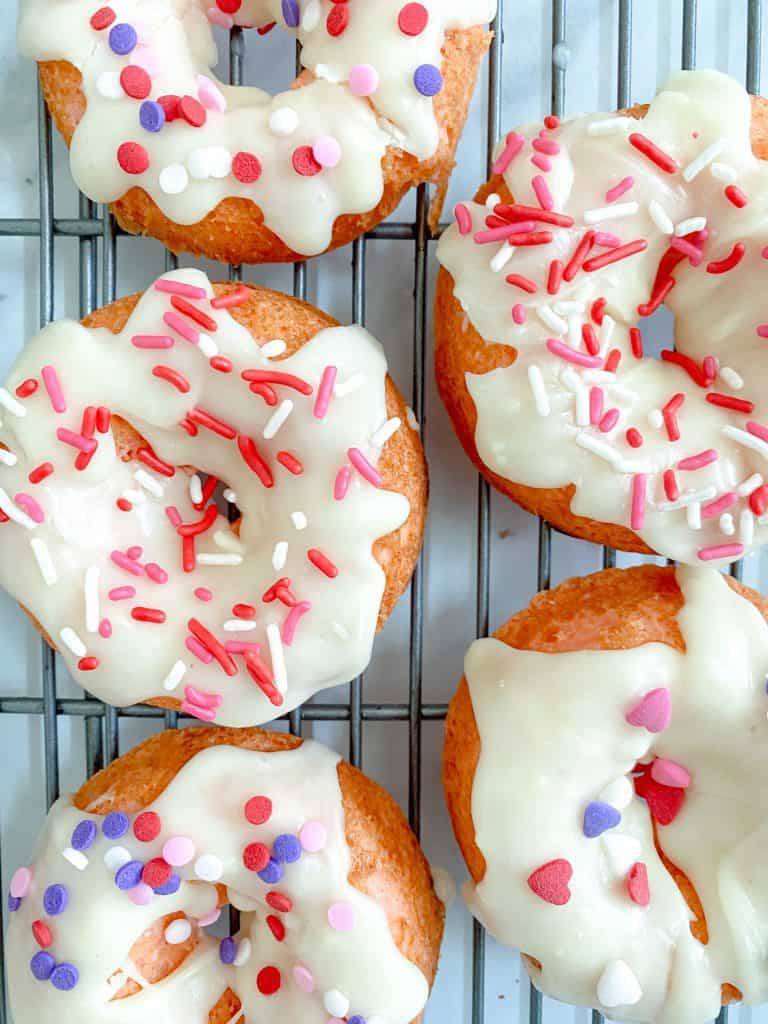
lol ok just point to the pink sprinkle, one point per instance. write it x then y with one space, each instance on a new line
83 444
313 836
714 508
30 506
20 883
206 700
609 421
463 218
217 17
181 327
194 711
710 367
541 162
518 313
618 190
141 894
324 392
210 918
152 341
203 594
126 563
501 234
342 916
211 97
53 387
544 145
327 151
135 551
607 240
194 645
173 515
341 486
241 647
764 252
758 430
364 467
688 249
363 80
639 488
121 593
559 348
156 573
189 291
515 143
105 629
292 621
595 404
670 773
542 192
178 851
698 461
721 551
304 978
762 331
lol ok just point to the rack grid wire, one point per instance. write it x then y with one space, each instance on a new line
97 234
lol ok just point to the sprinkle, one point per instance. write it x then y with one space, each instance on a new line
387 430
132 158
142 614
20 883
227 950
428 79
115 825
619 189
44 561
596 446
660 218
268 980
209 868
336 1003
559 348
292 620
538 388
610 212
299 520
723 172
615 255
179 851
313 836
656 155
42 966
76 858
175 676
116 857
598 818
501 259
729 402
364 467
342 916
735 196
652 712
610 126
618 986
211 558
278 657
55 900
53 387
689 226
72 641
729 551
550 882
729 262
123 39
637 885
238 625
699 163
746 527
670 773
325 565
363 80
550 319
26 388
283 121
542 192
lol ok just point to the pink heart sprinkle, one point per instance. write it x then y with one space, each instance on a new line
20 883
670 773
653 711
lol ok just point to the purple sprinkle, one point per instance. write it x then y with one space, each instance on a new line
14 903
357 1019
428 79
65 977
55 899
115 825
122 38
151 116
227 950
272 873
170 887
291 13
598 818
42 965
84 835
286 849
129 875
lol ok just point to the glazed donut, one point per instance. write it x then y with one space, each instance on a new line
585 228
114 544
234 173
340 917
610 686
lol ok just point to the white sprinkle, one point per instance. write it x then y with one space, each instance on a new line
746 527
660 218
689 225
727 525
239 625
115 857
210 558
618 986
44 561
611 212
349 385
277 419
149 483
278 657
7 458
299 520
619 793
731 378
108 85
279 555
229 495
597 447
380 437
15 513
174 179
749 485
606 333
550 319
134 496
228 541
178 931
336 1003
196 489
209 867
540 396
582 408
76 858
748 440
574 331
571 380
611 126
71 640
175 676
273 348
502 257
705 157
283 121
219 161
621 851
9 402
199 164
693 497
656 419
243 953
493 200
564 308
311 17
724 172
634 466
207 345
92 613
693 515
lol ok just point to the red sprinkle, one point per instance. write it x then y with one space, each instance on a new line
277 377
304 162
196 528
690 366
278 901
621 252
132 157
656 155
88 664
258 810
580 253
669 412
729 402
172 376
613 360
524 283
660 292
758 500
256 856
221 364
136 82
634 438
254 460
276 926
551 122
42 933
261 675
735 196
291 463
636 342
147 826
515 211
40 472
588 336
208 640
244 611
150 459
27 387
156 872
671 488
212 423
170 105
733 259
102 18
194 313
637 885
413 19
554 277
246 167
103 419
235 298
597 312
141 614
192 111
268 979
325 565
338 20
124 505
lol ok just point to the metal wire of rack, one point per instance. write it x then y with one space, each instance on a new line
97 236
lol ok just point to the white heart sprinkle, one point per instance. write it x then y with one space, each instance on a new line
618 986
618 793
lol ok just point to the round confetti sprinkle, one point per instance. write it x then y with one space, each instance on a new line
170 105
14 904
136 82
42 934
337 21
304 162
304 978
178 851
246 167
129 875
141 895
363 80
256 856
272 873
327 151
102 19
428 79
291 13
356 1019
133 158
171 886
122 39
42 966
286 849
413 19
209 867
178 931
283 121
268 981
55 900
258 810
116 857
210 918
227 950
84 835
279 902
276 926
151 116
192 111
341 917
147 826
336 1003
229 6
115 825
174 179
156 872
313 836
20 883
64 977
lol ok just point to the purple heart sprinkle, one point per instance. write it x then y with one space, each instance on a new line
598 818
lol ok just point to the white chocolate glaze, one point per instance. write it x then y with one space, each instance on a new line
63 570
205 803
533 418
553 727
176 47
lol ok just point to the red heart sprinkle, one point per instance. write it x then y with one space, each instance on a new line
637 885
550 882
664 802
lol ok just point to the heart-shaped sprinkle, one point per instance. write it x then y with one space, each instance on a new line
670 773
618 793
618 986
653 711
621 851
599 817
664 802
550 882
637 885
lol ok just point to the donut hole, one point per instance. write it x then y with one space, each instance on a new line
268 58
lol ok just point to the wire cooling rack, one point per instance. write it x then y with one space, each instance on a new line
97 241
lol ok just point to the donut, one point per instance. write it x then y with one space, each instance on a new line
585 228
602 767
339 914
119 436
233 173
